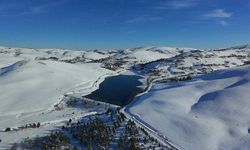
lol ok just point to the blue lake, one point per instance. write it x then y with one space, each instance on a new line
118 90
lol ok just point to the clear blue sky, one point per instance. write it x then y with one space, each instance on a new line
124 23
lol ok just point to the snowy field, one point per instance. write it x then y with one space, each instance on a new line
209 112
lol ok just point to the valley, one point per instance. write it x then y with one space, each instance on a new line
167 93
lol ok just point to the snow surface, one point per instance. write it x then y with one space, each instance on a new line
41 84
209 112
202 114
30 89
148 54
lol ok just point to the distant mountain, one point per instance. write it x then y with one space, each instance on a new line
246 46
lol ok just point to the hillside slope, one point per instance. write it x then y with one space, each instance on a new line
36 84
209 112
41 84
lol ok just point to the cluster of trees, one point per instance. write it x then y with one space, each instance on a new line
97 132
94 135
246 62
75 60
176 79
120 118
71 103
128 140
113 65
136 138
55 141
142 66
33 125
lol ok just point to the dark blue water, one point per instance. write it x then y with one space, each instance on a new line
118 90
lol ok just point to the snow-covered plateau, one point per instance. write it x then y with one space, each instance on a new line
194 98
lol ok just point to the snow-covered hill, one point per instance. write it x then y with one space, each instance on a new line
31 88
209 112
41 84
41 77
36 83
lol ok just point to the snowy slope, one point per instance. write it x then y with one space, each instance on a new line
41 84
148 54
60 54
31 87
210 112
34 80
194 62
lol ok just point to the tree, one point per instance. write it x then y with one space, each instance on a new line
109 111
14 147
7 129
38 125
133 144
